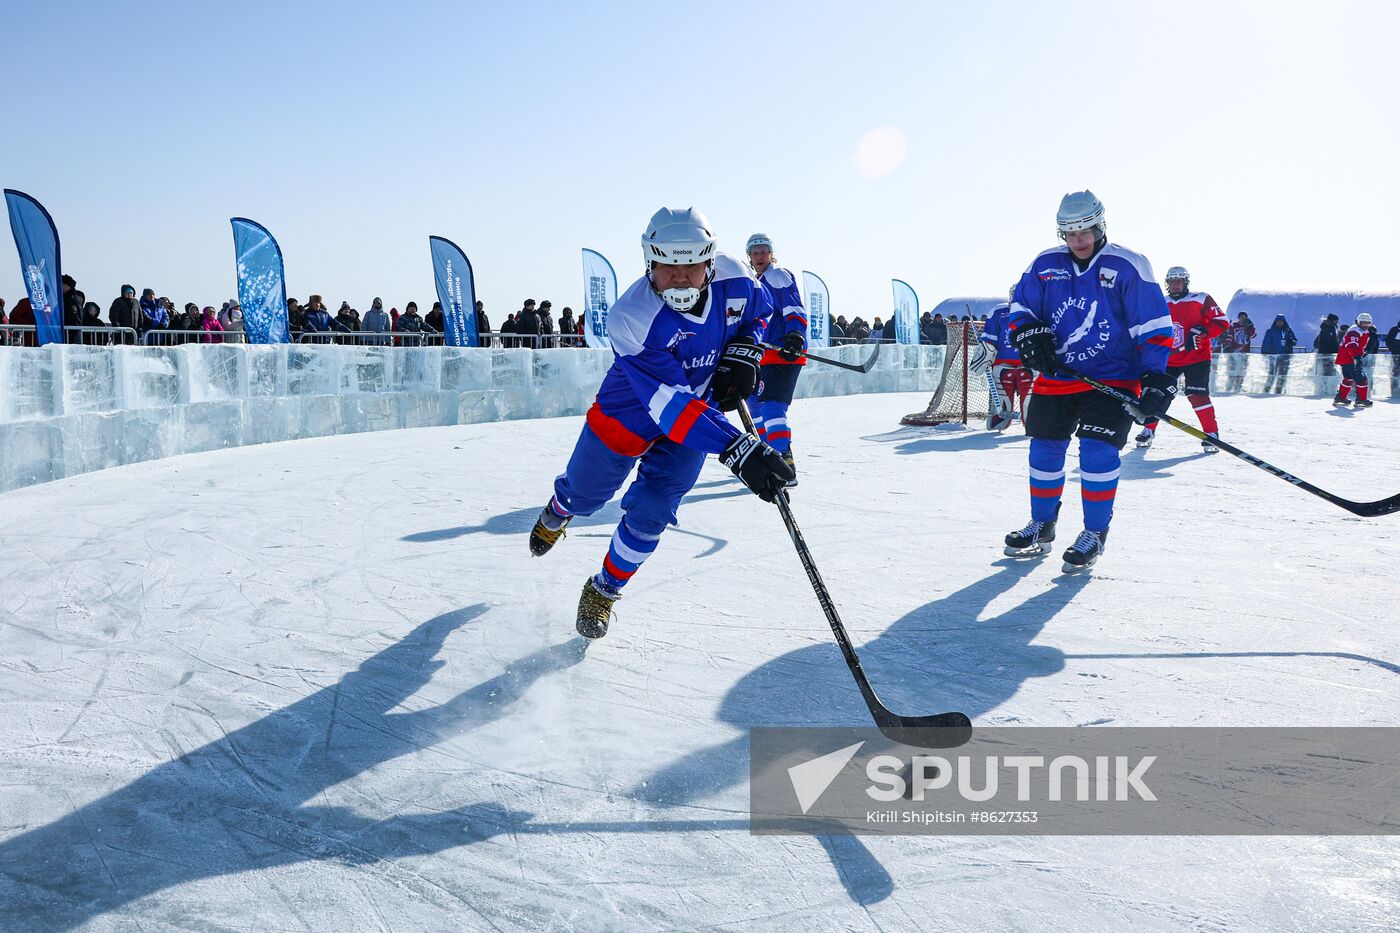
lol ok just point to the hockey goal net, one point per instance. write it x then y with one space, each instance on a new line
964 390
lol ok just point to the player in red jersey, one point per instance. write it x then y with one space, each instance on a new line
1349 358
1196 321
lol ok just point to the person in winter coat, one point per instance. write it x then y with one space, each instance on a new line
296 319
73 301
835 332
209 323
347 318
433 323
376 322
890 332
317 320
1277 345
508 327
231 319
187 318
1238 340
154 319
124 312
527 321
92 317
23 315
546 323
410 324
1392 340
1326 344
483 324
567 324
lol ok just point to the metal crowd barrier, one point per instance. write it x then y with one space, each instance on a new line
26 335
174 337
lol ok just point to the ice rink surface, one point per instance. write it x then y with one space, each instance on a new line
322 685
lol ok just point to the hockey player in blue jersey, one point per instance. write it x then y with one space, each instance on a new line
787 328
1094 306
685 338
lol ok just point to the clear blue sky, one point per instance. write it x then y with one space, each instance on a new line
1255 143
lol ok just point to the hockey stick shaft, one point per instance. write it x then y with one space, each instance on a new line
853 367
950 729
1365 509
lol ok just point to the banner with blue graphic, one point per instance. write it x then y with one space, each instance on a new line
818 299
599 294
262 283
906 313
456 290
36 238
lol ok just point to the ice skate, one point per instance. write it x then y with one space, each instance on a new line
1031 541
1084 552
549 528
595 607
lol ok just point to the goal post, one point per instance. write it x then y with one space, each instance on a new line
965 390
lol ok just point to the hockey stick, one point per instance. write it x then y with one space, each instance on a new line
853 367
1364 509
941 730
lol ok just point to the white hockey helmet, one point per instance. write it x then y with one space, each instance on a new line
1178 272
1364 319
679 238
758 239
1080 210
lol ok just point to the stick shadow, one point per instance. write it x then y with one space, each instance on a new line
937 657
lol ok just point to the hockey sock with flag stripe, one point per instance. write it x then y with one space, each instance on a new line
1205 411
1047 477
627 552
1098 480
776 431
1363 389
1344 390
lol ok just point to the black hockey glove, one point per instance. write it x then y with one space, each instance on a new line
760 467
1036 344
1158 390
1196 338
736 373
793 346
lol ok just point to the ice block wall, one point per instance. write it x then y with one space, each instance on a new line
66 410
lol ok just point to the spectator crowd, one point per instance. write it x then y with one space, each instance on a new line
154 320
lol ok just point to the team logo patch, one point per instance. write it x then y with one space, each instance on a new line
678 337
734 310
1107 277
1053 275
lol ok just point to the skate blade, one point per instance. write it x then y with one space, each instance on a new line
1035 550
590 630
1073 569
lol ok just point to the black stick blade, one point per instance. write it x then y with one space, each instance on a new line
1372 509
942 730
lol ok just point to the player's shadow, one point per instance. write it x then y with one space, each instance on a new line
520 521
243 802
1139 465
936 658
917 440
1337 412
